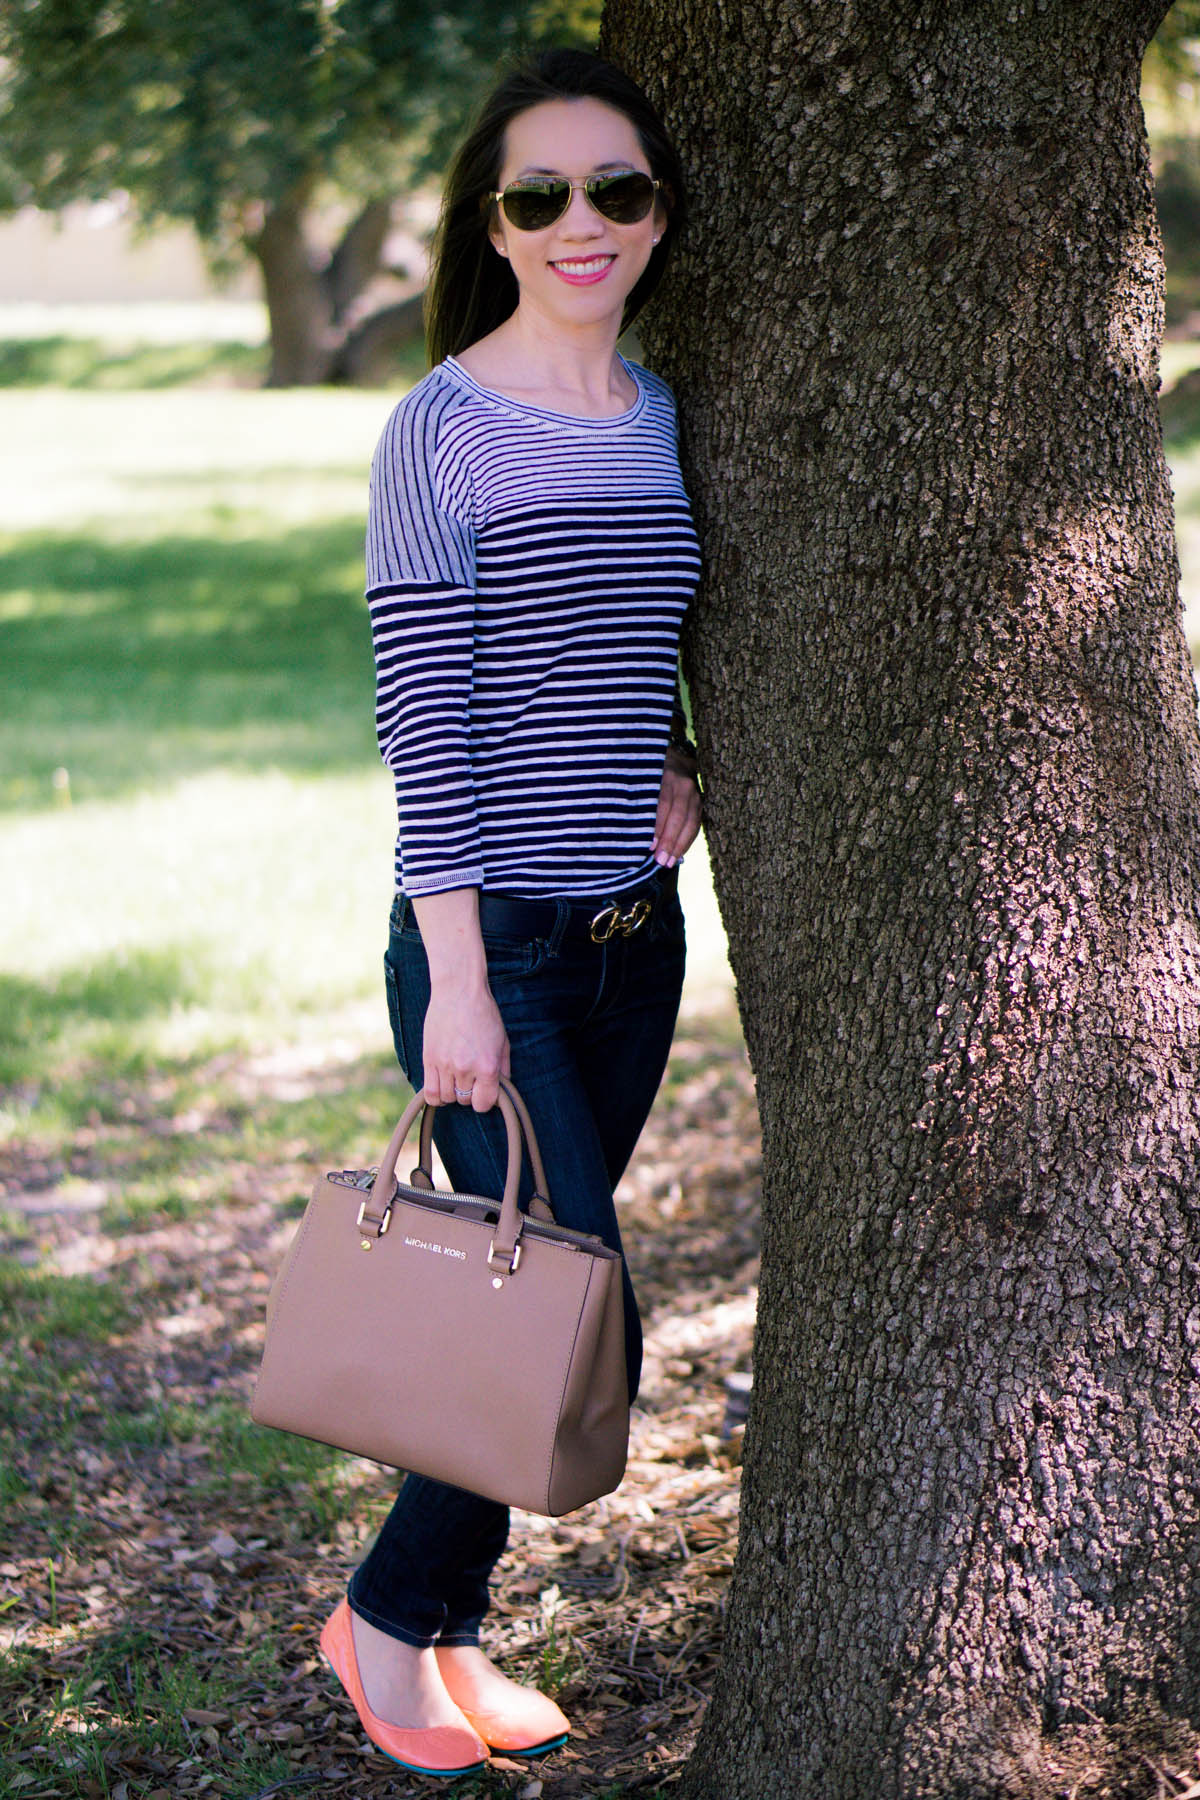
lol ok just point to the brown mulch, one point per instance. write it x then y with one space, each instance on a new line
619 1605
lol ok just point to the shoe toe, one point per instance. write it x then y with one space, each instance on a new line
531 1726
438 1750
435 1750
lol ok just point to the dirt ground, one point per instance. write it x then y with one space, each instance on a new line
617 1607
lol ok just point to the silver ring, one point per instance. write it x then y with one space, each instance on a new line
463 1093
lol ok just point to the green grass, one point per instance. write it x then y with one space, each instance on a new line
229 1452
1181 431
157 1709
203 651
51 1307
63 360
192 811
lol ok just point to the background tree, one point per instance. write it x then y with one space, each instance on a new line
1171 91
1173 57
243 117
949 730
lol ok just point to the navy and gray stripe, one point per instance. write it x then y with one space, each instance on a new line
527 574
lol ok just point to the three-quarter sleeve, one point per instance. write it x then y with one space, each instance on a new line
421 597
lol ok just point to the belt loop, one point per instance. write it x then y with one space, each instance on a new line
558 929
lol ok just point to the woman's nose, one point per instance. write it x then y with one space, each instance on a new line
581 218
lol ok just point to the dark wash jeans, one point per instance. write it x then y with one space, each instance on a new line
589 1029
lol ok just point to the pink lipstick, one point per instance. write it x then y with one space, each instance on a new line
582 271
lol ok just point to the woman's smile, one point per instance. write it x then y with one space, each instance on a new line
580 270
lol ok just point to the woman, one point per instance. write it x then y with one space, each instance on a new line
530 557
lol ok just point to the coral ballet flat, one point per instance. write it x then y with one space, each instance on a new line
439 1750
529 1725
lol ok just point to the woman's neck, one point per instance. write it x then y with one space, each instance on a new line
529 360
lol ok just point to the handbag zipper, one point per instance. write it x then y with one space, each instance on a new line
364 1179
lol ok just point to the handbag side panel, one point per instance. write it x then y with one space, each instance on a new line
592 1440
281 1366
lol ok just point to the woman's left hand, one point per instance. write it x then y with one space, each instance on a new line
678 823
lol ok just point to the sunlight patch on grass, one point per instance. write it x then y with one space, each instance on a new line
1176 357
213 911
131 323
121 461
1183 455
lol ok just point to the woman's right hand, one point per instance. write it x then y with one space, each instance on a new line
465 1047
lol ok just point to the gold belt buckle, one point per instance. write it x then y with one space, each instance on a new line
611 919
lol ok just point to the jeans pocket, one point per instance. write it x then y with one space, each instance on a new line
509 959
668 926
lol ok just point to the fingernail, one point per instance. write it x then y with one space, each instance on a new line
661 857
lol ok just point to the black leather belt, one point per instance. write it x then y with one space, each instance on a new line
597 918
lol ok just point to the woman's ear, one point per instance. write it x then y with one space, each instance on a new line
496 235
491 213
664 202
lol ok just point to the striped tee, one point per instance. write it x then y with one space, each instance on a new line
527 575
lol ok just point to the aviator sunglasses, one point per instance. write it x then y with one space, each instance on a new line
624 198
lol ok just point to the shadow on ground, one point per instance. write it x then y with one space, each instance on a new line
135 664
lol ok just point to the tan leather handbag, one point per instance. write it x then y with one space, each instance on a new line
452 1334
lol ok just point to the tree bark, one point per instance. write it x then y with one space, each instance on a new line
948 729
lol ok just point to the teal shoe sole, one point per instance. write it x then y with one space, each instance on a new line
416 1769
538 1749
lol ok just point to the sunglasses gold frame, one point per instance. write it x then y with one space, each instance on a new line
587 184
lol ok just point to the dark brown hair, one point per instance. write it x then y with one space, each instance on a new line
472 289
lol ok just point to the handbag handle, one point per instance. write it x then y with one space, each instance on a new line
540 1205
504 1253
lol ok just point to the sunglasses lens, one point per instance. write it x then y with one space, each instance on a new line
535 204
622 198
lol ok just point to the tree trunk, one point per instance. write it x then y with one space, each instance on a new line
315 336
356 260
369 352
298 304
953 798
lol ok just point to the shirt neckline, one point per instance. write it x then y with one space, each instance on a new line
579 421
